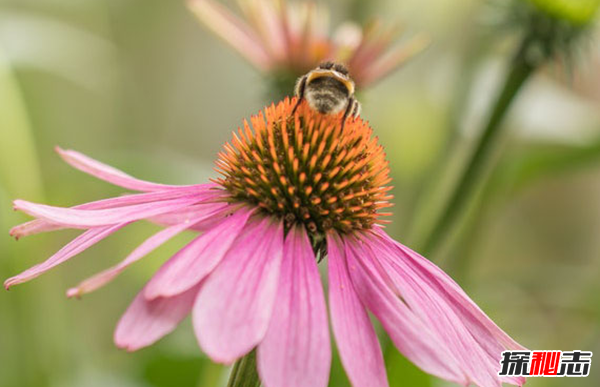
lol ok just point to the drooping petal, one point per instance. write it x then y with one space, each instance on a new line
479 333
453 291
413 338
296 350
232 30
76 218
234 306
33 227
438 317
196 260
149 245
183 215
203 196
76 246
354 334
112 175
146 322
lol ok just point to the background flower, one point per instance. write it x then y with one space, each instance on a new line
287 39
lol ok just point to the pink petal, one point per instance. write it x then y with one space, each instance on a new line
76 218
376 38
183 215
264 16
102 171
146 322
355 337
308 35
149 245
286 33
204 196
393 59
234 306
453 291
196 260
76 246
33 227
413 338
232 30
446 327
444 291
141 251
200 193
296 349
110 174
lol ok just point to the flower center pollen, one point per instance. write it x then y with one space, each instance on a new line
306 169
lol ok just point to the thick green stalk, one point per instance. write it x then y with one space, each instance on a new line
519 72
244 372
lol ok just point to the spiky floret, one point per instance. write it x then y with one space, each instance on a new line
306 168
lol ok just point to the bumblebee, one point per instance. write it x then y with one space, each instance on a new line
328 89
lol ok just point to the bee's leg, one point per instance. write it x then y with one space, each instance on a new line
356 109
299 92
352 109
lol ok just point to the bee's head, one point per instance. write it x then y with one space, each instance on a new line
333 70
329 88
340 68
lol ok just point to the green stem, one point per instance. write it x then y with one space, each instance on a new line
244 372
519 72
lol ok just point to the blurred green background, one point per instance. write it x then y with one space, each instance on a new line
141 85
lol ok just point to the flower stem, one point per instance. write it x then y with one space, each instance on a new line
518 74
244 372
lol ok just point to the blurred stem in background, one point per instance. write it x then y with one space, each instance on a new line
520 71
244 372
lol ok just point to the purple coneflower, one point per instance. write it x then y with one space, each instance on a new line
276 35
294 190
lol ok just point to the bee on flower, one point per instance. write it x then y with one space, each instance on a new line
297 189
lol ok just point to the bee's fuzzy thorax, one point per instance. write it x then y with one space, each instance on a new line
306 168
325 101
